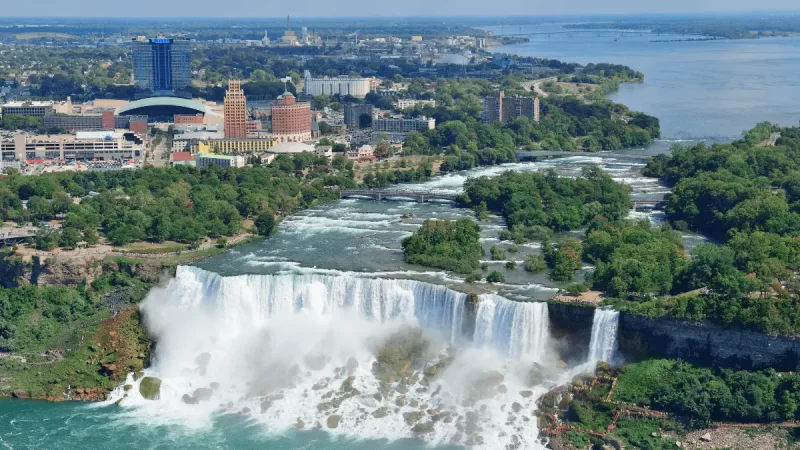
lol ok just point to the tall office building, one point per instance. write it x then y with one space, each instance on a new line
235 111
161 66
357 116
499 108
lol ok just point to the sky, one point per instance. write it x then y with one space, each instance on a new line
367 8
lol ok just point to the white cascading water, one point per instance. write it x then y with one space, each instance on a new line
520 330
603 345
280 349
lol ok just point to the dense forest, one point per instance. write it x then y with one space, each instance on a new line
181 204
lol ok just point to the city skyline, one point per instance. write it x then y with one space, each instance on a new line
318 9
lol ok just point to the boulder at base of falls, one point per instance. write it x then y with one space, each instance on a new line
300 424
413 417
150 388
422 427
203 394
189 400
333 421
352 364
381 412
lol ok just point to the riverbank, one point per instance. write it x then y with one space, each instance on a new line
88 355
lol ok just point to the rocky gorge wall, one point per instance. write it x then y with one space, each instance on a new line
703 343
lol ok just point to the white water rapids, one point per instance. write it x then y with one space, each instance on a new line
292 351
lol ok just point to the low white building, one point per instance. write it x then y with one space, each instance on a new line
406 103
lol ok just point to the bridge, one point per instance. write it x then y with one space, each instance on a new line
648 201
523 155
384 194
9 238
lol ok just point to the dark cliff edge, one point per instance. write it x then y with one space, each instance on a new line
699 343
571 330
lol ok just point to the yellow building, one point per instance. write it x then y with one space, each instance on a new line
416 38
228 146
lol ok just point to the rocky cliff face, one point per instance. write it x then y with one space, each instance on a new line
571 329
704 343
707 343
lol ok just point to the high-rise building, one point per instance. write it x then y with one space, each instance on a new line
291 120
235 111
499 108
161 66
358 116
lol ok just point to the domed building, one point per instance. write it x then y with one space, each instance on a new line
292 147
291 120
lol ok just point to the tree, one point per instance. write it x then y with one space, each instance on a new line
69 238
495 277
91 237
40 208
46 240
265 223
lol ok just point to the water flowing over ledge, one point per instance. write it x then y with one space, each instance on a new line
307 350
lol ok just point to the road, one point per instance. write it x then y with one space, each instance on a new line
536 86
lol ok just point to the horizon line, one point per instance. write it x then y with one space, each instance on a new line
395 16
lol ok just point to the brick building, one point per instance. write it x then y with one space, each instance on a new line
235 111
291 120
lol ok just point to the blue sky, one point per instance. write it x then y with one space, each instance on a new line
366 8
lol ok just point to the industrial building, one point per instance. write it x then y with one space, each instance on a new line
343 85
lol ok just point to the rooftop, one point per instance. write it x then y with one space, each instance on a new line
292 147
182 156
28 103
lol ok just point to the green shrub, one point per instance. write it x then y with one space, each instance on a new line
495 277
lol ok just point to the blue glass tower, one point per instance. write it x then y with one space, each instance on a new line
161 66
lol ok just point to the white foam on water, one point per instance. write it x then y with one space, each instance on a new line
273 348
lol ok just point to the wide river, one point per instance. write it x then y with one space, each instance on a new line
699 90
710 90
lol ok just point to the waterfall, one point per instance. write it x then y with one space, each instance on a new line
253 299
520 330
604 335
297 350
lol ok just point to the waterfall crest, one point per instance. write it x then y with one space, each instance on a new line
603 345
520 330
254 299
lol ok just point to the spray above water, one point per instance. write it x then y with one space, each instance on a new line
368 358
